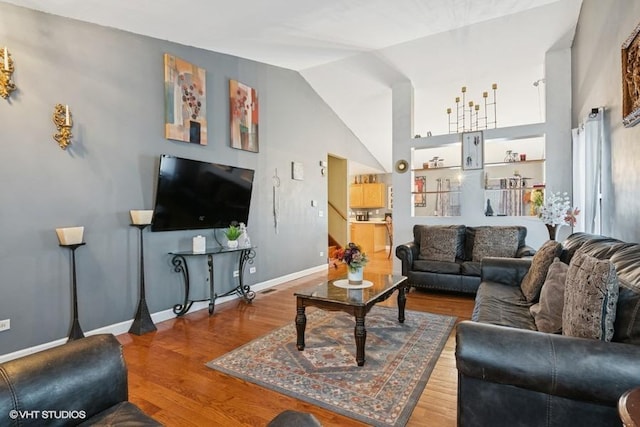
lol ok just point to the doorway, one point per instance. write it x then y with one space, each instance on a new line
337 203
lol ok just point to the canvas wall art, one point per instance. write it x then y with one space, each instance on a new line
185 94
243 102
631 79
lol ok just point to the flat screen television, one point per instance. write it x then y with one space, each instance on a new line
193 195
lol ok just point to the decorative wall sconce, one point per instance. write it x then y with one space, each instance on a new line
469 119
63 122
6 85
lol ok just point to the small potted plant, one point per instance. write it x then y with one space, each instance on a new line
232 233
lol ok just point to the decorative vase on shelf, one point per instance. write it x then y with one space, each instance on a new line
232 244
552 229
489 210
355 276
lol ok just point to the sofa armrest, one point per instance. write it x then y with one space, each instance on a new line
506 271
524 251
87 375
407 252
574 368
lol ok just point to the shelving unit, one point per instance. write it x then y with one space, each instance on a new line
510 196
513 167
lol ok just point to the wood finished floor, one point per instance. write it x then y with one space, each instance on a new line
168 378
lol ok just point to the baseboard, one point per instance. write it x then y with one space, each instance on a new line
161 316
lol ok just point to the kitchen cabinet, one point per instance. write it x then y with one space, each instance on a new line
371 236
367 195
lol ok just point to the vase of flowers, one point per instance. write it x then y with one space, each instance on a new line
355 260
557 211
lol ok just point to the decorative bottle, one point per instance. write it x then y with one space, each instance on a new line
489 210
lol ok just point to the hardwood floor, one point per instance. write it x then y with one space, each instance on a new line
168 378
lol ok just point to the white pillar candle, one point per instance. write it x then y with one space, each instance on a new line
66 115
6 58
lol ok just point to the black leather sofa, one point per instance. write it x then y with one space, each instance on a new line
509 374
461 274
83 382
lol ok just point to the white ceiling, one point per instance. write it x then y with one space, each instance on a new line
352 52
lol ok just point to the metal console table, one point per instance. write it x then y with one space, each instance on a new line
179 261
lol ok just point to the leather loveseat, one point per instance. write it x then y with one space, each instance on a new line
83 382
510 374
448 257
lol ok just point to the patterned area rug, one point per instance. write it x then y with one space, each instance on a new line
383 392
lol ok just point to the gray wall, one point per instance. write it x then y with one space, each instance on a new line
603 27
113 83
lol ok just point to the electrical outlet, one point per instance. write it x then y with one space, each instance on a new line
236 273
321 213
252 270
321 253
5 324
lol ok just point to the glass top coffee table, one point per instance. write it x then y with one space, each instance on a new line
338 295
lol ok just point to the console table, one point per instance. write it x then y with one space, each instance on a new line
179 261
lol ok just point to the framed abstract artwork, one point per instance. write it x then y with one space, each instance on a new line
420 188
631 79
472 150
185 96
243 102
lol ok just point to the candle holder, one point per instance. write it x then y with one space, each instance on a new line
6 85
142 322
469 119
63 121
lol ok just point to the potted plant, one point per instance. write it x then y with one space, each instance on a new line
232 234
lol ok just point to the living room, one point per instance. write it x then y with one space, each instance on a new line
112 82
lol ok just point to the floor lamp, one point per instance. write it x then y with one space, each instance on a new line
142 322
71 238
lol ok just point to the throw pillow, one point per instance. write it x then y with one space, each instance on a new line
534 279
495 242
590 298
548 312
439 243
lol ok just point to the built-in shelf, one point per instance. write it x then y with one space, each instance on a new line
436 192
519 162
440 168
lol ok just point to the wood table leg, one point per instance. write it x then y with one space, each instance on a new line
361 337
301 324
402 302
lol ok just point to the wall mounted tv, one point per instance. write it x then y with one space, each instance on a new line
193 195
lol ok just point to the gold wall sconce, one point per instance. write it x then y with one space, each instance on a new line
6 85
63 122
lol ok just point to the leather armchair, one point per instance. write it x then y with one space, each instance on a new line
83 382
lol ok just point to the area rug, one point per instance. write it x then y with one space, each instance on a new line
383 392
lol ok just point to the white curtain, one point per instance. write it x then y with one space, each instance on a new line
587 172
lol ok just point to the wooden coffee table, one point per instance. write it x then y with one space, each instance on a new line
356 302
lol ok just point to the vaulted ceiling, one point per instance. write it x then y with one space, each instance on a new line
352 52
